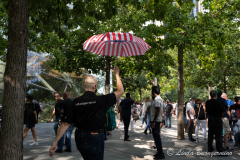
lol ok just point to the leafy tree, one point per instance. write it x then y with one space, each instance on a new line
188 33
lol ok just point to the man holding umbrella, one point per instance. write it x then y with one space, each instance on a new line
88 113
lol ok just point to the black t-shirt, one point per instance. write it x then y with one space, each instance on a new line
126 107
28 113
89 111
199 115
58 107
66 105
169 108
214 108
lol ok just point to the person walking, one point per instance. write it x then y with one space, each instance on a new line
58 113
176 110
66 105
190 117
138 107
88 113
215 111
169 111
229 102
225 119
31 119
125 114
118 112
185 117
147 117
156 112
199 113
133 112
236 126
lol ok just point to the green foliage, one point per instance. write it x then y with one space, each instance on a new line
48 107
3 30
209 40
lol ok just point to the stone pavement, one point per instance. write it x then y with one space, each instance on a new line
140 148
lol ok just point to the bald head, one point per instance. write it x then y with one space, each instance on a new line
89 82
224 95
65 95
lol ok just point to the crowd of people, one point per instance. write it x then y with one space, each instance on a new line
87 114
220 114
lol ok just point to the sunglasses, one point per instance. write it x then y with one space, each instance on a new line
55 96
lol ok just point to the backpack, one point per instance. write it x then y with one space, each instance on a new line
38 107
234 117
110 119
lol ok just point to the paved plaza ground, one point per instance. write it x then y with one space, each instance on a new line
140 148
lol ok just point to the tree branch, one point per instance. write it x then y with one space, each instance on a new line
59 23
215 14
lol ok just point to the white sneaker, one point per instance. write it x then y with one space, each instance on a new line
197 140
204 141
34 144
131 131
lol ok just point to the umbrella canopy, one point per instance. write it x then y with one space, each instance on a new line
116 44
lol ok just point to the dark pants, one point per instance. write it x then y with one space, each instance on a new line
190 128
126 122
90 146
215 128
168 119
156 137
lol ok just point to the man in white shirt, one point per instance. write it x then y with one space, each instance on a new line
156 112
190 118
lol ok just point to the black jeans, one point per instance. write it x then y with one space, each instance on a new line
215 128
126 122
190 128
90 146
156 137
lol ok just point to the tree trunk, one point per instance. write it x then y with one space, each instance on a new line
180 126
209 89
107 70
155 81
11 146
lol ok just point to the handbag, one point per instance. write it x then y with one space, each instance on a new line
196 120
136 117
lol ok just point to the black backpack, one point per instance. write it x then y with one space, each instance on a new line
234 117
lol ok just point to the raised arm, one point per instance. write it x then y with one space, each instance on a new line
120 89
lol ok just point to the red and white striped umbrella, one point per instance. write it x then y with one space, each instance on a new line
116 44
